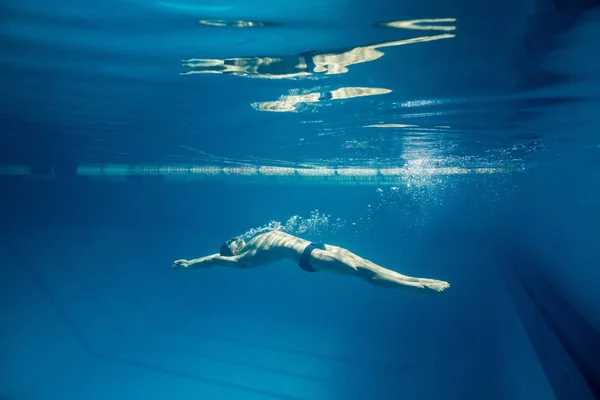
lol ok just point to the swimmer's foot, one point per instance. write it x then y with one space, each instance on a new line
432 285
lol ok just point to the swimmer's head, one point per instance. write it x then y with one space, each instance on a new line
232 247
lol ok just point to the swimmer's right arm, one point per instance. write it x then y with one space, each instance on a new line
208 261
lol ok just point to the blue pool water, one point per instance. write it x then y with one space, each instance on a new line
449 140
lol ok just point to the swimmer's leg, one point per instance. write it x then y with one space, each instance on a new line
390 279
345 263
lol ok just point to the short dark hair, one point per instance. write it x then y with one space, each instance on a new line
225 251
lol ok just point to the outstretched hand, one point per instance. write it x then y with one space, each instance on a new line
180 264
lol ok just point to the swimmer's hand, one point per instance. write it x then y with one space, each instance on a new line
180 264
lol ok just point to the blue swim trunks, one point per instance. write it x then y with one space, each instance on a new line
305 257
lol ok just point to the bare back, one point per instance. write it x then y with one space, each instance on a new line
277 245
270 247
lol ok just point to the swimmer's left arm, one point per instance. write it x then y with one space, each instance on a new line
208 261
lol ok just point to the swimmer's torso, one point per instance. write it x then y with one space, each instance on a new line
272 246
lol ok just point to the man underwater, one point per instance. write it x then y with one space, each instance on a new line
276 245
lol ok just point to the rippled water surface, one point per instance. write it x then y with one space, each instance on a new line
454 84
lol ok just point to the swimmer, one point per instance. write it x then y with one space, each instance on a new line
276 245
